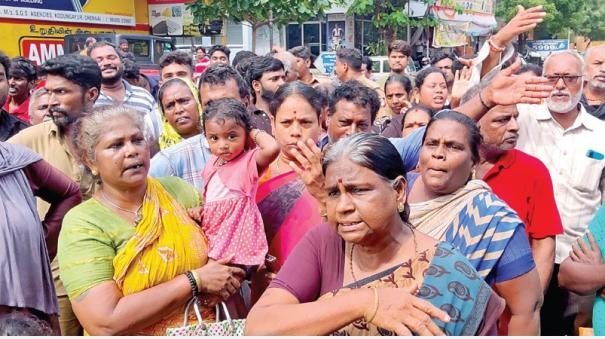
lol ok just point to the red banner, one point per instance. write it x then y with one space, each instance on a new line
39 50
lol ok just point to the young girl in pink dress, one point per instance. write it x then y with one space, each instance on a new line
230 217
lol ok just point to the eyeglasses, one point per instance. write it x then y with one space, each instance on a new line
569 80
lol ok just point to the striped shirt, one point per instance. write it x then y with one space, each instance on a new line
137 98
185 160
574 158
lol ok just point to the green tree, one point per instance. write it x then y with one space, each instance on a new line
558 19
260 13
391 19
589 21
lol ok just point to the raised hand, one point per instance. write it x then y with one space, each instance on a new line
524 21
461 84
309 168
509 89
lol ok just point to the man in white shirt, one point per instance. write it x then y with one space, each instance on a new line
570 142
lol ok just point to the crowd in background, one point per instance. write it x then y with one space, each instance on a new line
464 199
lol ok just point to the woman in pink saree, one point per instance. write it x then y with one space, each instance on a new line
287 208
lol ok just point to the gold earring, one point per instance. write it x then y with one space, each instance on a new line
94 173
401 207
474 173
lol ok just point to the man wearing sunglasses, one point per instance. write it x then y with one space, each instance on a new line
569 141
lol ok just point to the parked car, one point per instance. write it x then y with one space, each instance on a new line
147 49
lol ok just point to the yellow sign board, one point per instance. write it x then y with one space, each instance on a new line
42 42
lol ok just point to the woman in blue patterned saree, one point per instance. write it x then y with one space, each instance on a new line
447 205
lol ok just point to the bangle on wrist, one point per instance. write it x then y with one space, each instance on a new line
375 308
198 281
256 135
493 47
195 291
483 102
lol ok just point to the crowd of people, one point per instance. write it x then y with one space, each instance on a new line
461 200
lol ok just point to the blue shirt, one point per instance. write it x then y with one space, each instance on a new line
185 160
409 148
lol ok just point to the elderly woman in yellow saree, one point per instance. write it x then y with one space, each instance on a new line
131 257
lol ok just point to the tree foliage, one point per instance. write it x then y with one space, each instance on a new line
258 12
391 19
589 21
562 15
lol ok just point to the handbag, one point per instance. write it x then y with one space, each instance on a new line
227 327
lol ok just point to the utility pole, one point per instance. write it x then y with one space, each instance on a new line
409 33
270 30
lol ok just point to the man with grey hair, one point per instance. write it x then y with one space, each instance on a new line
290 65
38 107
593 98
569 141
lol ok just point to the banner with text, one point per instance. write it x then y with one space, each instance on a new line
450 34
545 47
171 19
105 12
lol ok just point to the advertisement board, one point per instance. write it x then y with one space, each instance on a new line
548 45
477 6
336 35
450 34
104 12
325 62
171 18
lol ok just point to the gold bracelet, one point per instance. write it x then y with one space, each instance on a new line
375 311
198 280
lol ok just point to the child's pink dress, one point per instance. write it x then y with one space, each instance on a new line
231 219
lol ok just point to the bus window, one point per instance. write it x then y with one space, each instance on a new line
140 48
160 47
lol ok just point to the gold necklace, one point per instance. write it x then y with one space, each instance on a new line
353 247
277 164
138 216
